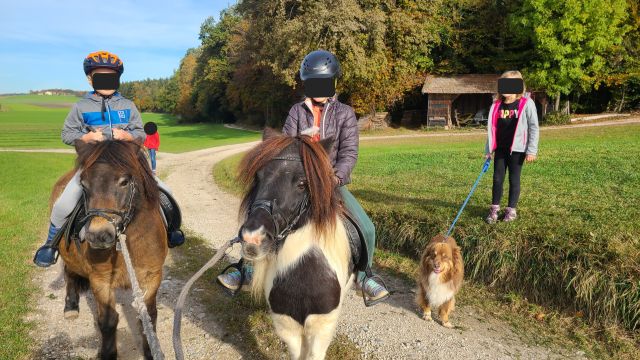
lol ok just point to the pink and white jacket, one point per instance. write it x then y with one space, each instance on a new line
527 132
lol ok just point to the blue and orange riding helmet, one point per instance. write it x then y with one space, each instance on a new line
103 59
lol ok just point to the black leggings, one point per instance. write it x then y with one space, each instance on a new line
502 161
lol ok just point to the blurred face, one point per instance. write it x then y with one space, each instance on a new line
102 71
510 97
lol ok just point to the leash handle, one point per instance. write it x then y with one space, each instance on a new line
485 167
486 164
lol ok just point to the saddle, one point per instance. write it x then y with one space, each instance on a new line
71 229
357 243
360 253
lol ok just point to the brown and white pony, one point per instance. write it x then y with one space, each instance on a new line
120 191
293 234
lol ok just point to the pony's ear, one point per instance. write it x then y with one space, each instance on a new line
269 133
327 144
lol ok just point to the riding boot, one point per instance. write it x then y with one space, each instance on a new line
175 238
47 254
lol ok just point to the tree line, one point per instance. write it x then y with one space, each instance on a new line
245 68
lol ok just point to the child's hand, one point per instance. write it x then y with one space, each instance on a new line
93 136
119 134
530 158
487 156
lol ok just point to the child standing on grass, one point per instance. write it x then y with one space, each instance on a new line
512 139
152 142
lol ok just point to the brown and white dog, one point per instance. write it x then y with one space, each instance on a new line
441 275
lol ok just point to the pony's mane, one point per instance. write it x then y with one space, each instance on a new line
318 171
125 156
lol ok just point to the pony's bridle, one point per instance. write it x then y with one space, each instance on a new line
271 208
119 219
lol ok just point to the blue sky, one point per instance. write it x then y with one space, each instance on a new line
43 43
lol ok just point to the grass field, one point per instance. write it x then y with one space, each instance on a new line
35 122
26 181
576 244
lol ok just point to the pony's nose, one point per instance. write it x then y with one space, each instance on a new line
100 233
100 239
254 237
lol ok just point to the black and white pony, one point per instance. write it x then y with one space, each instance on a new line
294 235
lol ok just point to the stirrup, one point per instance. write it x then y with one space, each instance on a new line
368 274
237 266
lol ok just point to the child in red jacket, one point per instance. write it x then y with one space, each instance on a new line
152 142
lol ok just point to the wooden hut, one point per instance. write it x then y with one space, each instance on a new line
457 99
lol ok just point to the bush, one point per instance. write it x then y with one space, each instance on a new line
556 118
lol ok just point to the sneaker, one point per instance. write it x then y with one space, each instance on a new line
492 218
231 280
372 290
509 214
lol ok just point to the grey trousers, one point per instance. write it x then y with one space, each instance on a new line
67 201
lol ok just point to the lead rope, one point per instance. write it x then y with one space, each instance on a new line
138 301
177 312
485 167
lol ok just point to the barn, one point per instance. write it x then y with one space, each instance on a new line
458 100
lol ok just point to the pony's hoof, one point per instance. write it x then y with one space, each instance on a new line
71 314
427 316
448 325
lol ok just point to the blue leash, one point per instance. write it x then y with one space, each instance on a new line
485 167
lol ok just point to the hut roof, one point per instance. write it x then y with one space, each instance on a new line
461 84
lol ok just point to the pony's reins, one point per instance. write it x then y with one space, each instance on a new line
177 312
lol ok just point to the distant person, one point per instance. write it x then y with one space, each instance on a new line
102 114
152 142
512 139
320 116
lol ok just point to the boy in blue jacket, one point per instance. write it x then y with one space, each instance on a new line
102 114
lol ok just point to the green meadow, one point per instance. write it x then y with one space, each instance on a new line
35 122
26 181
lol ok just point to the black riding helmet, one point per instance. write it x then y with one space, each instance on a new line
319 64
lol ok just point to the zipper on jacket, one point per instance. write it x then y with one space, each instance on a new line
324 116
109 116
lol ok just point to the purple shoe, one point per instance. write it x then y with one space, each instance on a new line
492 218
509 214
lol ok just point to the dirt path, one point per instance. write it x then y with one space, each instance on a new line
392 330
